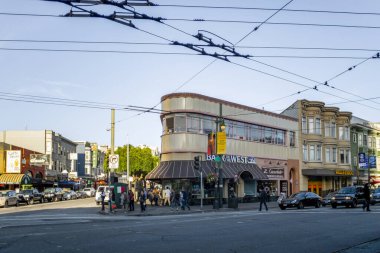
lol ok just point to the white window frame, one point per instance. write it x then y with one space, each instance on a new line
310 125
318 126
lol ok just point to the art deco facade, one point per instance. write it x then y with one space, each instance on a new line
262 147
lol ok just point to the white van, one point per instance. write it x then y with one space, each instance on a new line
98 197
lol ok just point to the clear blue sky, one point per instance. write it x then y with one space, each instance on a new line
141 79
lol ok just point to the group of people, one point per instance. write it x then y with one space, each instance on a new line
175 199
127 199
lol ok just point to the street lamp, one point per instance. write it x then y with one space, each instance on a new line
220 127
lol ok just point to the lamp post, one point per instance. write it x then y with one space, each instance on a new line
220 126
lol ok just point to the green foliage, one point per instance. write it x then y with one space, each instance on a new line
141 160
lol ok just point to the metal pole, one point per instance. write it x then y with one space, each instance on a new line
112 152
217 165
201 191
220 180
129 183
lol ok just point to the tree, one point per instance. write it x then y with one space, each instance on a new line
141 160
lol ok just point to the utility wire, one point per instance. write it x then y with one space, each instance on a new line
203 45
220 21
257 27
267 9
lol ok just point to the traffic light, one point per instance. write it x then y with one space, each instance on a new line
197 164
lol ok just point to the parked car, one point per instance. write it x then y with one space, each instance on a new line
8 198
248 196
89 191
98 198
30 196
375 196
326 200
67 195
300 200
348 196
53 194
81 194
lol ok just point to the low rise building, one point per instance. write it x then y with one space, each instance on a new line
262 147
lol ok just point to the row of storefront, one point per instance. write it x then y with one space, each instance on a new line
307 147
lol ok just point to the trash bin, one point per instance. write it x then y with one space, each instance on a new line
233 203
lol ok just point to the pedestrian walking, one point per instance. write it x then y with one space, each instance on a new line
131 200
263 199
174 200
367 197
156 196
142 199
124 200
184 199
167 196
103 196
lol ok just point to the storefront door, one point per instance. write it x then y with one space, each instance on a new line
315 186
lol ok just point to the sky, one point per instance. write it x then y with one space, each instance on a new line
144 67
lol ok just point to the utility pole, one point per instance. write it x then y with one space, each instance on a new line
112 152
129 182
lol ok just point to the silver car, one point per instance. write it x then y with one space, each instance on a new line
8 198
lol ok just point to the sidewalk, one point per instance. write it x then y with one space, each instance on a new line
165 210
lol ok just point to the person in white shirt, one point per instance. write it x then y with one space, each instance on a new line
167 196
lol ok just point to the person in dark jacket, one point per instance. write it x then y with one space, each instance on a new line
142 199
263 199
367 197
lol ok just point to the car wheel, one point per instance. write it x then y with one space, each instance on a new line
281 207
30 202
300 205
55 199
42 200
318 205
354 203
333 206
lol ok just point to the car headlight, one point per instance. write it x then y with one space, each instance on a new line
347 198
294 201
371 195
333 198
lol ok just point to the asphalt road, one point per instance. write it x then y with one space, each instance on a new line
75 226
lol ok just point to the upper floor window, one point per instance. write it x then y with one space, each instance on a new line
360 140
292 139
330 129
365 138
344 133
344 155
354 138
304 152
304 125
330 154
318 126
311 125
315 153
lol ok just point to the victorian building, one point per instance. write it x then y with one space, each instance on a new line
324 141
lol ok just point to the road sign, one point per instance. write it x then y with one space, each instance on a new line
114 161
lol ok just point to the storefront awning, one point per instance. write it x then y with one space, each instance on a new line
327 173
185 170
11 178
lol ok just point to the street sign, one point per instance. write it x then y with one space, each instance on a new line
114 161
222 143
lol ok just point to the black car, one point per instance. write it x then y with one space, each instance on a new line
30 196
326 200
53 194
375 196
349 196
300 200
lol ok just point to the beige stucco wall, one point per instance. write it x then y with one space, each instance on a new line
177 146
32 140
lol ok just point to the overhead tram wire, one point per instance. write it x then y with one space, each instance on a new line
168 44
220 21
267 9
